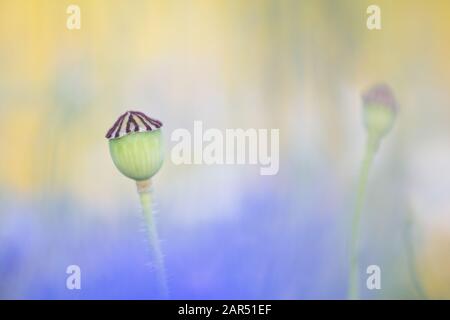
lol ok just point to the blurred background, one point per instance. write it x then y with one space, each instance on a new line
227 232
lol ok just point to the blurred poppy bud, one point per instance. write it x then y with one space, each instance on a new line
380 108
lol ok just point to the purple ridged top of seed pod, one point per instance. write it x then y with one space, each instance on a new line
132 121
380 94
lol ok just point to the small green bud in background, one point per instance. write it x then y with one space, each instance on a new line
380 108
135 145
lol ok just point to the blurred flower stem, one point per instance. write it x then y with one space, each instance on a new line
359 203
411 257
145 196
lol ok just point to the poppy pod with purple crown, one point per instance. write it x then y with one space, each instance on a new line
135 145
380 108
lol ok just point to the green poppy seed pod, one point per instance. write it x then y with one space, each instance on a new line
135 145
380 108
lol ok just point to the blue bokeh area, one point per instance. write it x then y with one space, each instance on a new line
272 247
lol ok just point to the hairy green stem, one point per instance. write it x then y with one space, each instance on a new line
353 288
145 195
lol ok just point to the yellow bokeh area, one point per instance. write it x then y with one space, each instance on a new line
246 40
433 258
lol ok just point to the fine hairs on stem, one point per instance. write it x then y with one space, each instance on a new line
144 189
135 145
379 109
